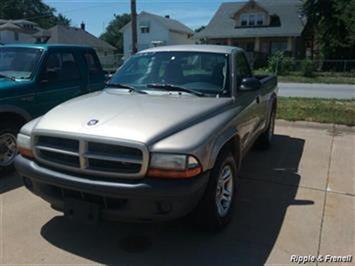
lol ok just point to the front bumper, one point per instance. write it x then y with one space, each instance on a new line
129 200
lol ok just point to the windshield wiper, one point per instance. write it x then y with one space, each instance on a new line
7 77
171 87
124 86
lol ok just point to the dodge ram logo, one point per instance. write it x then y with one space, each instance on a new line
92 122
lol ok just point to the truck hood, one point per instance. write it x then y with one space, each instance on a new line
133 117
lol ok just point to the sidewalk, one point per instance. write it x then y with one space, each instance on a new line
317 90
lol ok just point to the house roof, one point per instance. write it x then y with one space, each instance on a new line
69 35
169 23
11 27
222 25
17 21
46 46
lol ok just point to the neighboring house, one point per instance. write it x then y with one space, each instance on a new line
154 30
24 31
19 31
260 28
71 35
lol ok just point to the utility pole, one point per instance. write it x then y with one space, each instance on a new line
134 26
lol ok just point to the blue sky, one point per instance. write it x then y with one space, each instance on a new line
98 13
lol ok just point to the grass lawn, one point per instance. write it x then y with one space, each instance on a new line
317 110
319 77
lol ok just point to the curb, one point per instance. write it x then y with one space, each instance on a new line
314 125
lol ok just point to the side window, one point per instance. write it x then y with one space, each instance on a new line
242 68
93 64
70 69
61 67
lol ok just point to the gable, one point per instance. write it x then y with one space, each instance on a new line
168 23
226 21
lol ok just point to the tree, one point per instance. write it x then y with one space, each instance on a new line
112 35
200 29
33 10
333 23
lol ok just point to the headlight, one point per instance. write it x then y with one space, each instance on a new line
24 145
173 166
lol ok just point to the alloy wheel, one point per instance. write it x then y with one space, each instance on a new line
224 192
8 149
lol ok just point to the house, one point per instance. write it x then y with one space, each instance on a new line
260 27
154 30
24 31
16 31
71 35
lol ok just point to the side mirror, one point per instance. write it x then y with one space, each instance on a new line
250 84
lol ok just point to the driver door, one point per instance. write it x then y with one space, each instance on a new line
249 100
59 81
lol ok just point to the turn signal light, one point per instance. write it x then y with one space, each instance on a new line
26 152
174 174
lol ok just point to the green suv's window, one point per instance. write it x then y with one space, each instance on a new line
17 62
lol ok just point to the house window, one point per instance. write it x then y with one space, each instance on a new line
244 20
16 37
278 46
144 26
252 19
145 30
259 19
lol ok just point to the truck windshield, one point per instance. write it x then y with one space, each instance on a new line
18 62
198 72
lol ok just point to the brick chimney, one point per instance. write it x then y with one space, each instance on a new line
82 25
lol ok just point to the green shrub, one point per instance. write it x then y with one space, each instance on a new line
280 64
307 68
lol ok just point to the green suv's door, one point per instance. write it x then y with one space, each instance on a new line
60 80
96 79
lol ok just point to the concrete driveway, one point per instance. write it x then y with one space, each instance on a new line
296 199
326 91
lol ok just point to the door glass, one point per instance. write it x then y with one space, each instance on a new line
93 64
61 67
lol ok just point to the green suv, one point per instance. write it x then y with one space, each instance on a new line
34 78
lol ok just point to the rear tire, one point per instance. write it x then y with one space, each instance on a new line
215 209
8 149
265 139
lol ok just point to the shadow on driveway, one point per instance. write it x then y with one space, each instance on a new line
10 182
248 240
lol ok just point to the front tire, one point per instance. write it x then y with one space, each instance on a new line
215 209
8 148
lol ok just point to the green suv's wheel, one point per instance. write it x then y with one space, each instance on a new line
216 207
8 148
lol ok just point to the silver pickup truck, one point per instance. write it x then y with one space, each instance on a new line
165 139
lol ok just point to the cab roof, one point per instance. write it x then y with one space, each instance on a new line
207 48
45 46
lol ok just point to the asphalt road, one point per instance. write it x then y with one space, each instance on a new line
297 198
315 90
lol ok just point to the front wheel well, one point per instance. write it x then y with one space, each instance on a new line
233 145
7 118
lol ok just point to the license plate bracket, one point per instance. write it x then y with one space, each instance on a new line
82 211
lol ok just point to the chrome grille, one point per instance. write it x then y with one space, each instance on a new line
90 156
